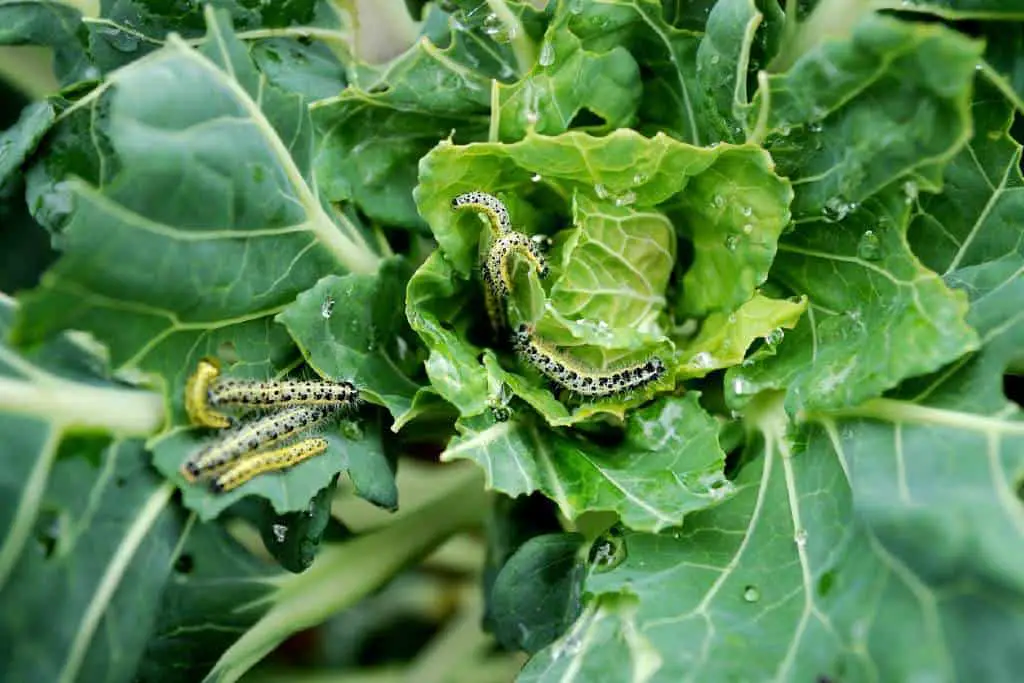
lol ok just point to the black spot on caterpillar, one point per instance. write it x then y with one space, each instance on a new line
577 377
248 395
252 436
267 461
490 206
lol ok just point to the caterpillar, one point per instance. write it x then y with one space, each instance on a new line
578 378
249 395
490 206
267 461
251 436
196 395
496 268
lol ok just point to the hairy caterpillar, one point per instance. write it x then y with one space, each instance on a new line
196 395
578 378
496 268
251 436
252 395
267 461
488 205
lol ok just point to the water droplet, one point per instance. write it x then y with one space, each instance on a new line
718 201
703 361
814 127
496 29
280 532
608 550
785 130
741 386
639 179
601 191
836 208
536 177
746 211
625 199
731 242
327 307
547 54
800 537
715 59
751 594
870 247
748 228
774 338
910 191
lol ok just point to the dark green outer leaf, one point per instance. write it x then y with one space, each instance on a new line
352 327
55 24
88 529
209 226
877 316
537 594
294 537
852 116
668 464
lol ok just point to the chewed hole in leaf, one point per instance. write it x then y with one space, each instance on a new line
1013 388
185 564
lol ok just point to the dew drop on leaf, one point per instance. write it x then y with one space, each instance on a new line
547 54
703 360
774 338
536 177
731 242
715 59
601 191
741 387
870 247
327 307
836 208
280 532
608 550
751 594
910 191
625 199
746 211
718 201
748 228
639 179
800 537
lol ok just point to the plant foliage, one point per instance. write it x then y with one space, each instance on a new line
810 213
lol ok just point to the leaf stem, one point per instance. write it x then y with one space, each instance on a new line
829 19
345 573
125 412
893 410
522 47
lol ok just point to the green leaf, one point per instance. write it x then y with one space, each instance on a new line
352 327
219 590
876 316
536 595
866 547
294 537
565 80
21 139
853 116
723 339
667 464
89 531
373 133
200 221
973 221
53 24
725 58
672 101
